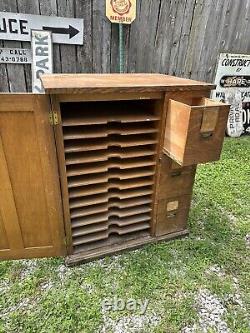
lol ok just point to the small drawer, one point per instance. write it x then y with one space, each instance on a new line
175 180
172 215
195 133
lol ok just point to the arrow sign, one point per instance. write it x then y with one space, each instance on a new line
71 31
17 26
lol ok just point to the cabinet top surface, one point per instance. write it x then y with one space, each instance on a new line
80 83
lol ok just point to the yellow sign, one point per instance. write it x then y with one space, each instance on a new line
121 11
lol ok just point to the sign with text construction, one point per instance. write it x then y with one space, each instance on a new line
121 11
233 87
42 61
15 56
17 26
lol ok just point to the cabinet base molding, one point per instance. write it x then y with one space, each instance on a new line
79 258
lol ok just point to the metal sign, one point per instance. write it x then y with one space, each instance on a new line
246 117
17 26
15 56
235 118
233 86
121 11
42 62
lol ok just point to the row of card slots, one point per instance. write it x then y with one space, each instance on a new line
120 207
109 187
103 215
110 158
109 166
84 145
113 226
110 194
112 174
97 117
110 130
111 153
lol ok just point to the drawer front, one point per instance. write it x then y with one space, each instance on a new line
175 180
172 214
195 133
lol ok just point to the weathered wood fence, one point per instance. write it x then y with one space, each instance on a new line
180 37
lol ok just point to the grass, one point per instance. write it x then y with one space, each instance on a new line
45 296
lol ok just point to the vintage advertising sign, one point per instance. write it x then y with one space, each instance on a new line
15 56
17 26
121 11
246 117
233 86
42 61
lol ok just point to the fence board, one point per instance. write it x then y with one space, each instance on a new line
49 8
101 38
84 53
15 73
24 6
68 52
134 40
180 37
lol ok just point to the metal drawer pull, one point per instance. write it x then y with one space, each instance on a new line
171 214
175 173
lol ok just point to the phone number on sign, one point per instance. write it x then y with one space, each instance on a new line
14 59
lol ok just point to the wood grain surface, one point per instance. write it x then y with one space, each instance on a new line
103 83
30 206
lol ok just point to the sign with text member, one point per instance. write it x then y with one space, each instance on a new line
42 61
233 86
121 11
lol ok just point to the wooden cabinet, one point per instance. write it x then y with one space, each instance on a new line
83 168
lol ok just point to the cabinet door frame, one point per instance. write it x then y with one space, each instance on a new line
39 107
59 143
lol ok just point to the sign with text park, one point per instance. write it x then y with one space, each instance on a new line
17 26
121 11
42 57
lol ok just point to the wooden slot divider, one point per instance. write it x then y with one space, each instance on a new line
113 220
106 143
113 229
113 184
96 156
104 177
105 215
84 132
79 213
95 118
119 223
89 168
104 197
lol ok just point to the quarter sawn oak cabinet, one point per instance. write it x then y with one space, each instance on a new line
102 163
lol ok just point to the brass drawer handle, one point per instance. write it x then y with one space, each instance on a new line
172 209
171 215
175 173
207 135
